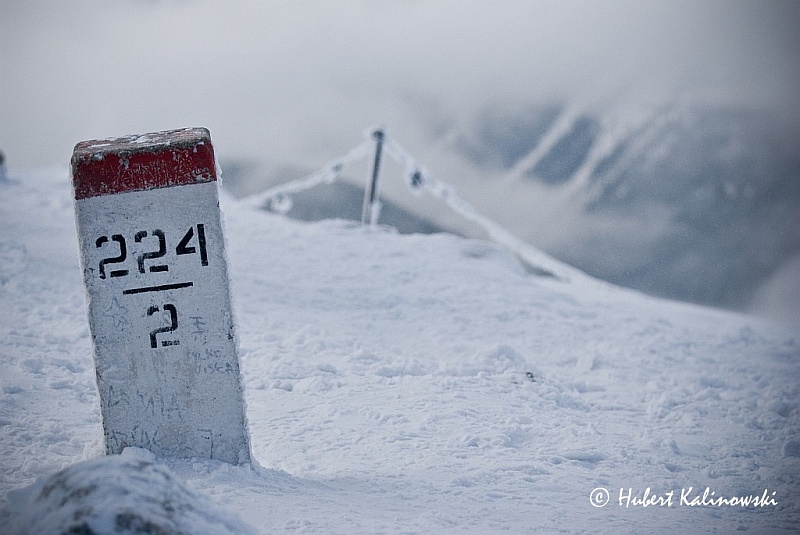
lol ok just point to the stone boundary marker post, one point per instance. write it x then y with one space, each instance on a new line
152 252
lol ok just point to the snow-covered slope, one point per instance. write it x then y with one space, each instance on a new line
700 199
423 384
686 199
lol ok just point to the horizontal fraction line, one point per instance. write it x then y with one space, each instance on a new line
161 288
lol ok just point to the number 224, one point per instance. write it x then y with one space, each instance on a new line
183 248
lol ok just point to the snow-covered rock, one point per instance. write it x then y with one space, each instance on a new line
118 494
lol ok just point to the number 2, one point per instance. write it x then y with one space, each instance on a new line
173 325
162 250
123 254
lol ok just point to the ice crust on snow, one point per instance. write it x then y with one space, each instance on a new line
419 383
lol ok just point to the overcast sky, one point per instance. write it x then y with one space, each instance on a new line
299 81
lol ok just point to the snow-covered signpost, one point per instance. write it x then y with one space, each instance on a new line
151 243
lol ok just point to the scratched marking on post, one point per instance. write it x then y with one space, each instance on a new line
153 262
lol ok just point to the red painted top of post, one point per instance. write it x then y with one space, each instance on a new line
143 162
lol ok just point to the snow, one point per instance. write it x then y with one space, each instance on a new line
777 297
417 384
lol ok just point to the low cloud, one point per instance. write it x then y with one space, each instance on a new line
297 81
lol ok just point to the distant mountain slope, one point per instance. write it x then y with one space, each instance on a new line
696 202
709 194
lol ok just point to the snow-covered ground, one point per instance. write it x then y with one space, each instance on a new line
423 384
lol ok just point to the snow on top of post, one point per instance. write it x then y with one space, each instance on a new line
142 162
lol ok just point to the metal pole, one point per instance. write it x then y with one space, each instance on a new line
371 191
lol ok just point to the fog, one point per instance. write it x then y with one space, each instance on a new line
300 81
293 84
